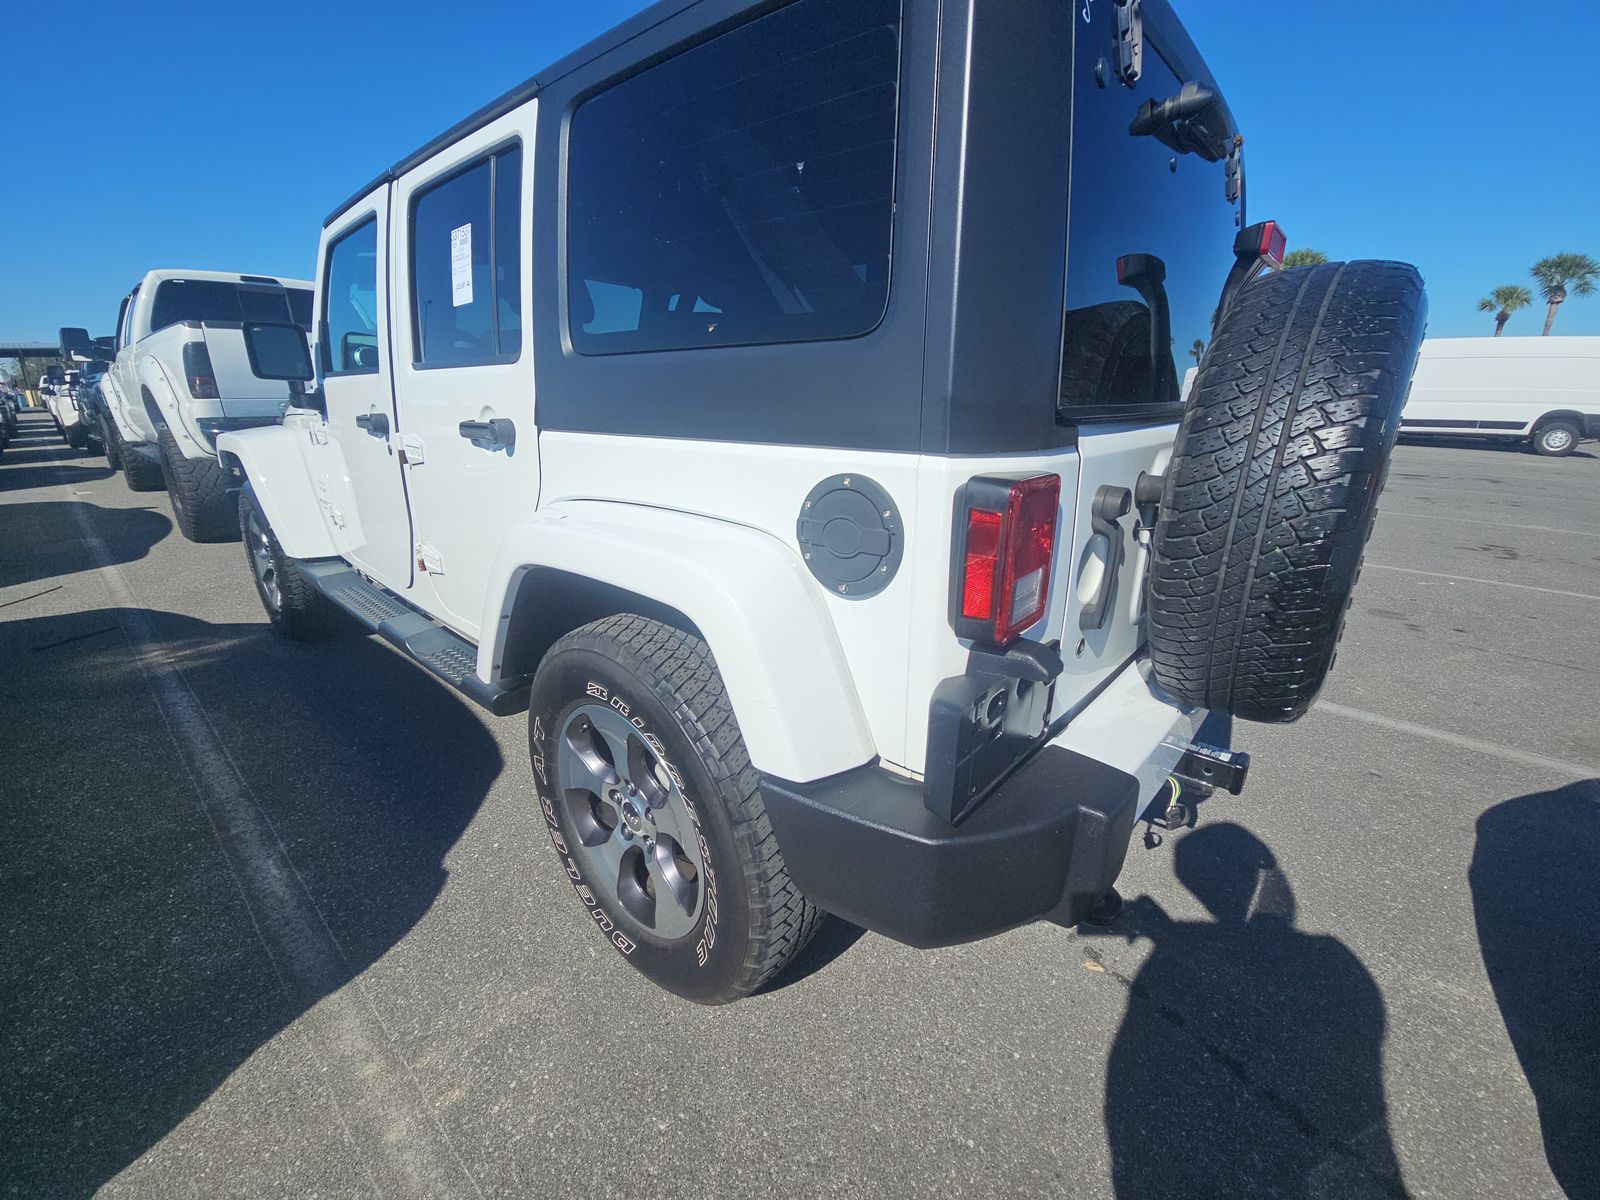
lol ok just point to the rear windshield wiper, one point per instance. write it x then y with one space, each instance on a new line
1192 122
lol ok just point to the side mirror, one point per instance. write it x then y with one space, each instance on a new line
75 342
277 351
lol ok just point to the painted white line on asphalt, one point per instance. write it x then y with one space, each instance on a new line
1589 533
1525 587
1556 765
404 1149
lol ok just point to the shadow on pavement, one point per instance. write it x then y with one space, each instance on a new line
1535 879
14 478
133 981
1249 1062
31 533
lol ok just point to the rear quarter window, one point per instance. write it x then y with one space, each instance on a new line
741 192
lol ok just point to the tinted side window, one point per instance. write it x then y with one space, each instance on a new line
466 281
742 191
350 302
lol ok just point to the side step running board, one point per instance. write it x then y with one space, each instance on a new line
451 657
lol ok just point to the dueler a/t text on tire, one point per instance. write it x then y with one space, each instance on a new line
1274 482
655 811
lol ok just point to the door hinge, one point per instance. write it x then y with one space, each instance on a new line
429 560
1130 41
411 450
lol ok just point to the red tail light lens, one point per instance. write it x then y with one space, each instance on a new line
197 369
981 566
1273 243
1010 535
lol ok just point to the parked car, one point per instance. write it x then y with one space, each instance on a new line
55 393
86 432
894 593
1542 391
199 353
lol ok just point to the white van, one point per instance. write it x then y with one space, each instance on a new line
1541 390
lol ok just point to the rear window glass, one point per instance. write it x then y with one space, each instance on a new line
742 191
219 300
1129 337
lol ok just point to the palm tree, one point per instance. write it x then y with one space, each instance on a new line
1562 275
1304 257
1197 350
1504 301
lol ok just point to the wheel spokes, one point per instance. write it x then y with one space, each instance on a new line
587 759
675 874
635 887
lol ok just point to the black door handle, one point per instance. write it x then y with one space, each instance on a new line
375 423
1111 504
501 431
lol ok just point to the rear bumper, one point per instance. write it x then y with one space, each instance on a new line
1048 843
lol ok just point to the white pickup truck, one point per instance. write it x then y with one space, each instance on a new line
199 353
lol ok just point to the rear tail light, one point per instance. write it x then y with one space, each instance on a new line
197 370
1007 537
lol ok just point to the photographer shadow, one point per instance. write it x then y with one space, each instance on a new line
1536 899
1249 1062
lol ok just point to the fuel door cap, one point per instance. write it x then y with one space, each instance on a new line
850 534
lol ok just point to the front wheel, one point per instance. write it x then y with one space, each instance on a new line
1556 439
294 606
656 813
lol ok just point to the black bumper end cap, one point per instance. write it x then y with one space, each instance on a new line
1047 844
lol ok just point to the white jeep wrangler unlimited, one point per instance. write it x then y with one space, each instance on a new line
198 353
780 405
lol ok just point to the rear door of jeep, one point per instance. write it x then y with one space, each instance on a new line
1153 211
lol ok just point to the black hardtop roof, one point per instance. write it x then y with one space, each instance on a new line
640 23
1166 29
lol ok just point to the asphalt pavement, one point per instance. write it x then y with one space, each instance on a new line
281 920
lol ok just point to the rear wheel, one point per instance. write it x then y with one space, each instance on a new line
294 606
1556 438
1273 487
139 472
656 813
112 442
198 490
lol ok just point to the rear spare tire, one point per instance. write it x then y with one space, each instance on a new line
1274 483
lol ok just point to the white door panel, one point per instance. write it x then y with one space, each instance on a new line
464 371
360 485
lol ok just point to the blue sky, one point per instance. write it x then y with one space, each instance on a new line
1452 133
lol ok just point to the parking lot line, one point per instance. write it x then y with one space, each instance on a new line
1525 587
1591 533
1477 746
405 1150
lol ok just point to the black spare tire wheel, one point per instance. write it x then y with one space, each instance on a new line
1274 482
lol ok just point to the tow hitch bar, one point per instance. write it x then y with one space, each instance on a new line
1214 767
